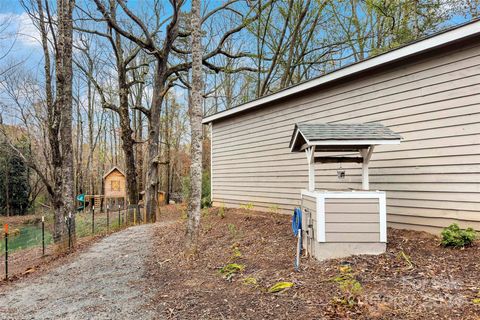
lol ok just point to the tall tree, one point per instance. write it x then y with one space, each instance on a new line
195 110
58 101
168 70
123 59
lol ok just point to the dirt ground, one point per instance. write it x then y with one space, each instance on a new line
414 279
142 272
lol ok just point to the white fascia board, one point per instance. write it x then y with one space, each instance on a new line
402 52
343 194
307 142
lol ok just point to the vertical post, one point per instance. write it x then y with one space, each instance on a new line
93 219
310 152
125 212
43 235
108 220
365 182
6 251
119 224
134 216
69 231
366 154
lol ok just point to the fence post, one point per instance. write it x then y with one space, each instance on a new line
93 219
108 220
124 218
69 231
6 251
43 235
134 216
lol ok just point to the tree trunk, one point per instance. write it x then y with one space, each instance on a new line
193 222
139 149
64 73
151 181
126 134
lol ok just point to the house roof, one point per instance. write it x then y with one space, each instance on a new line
111 170
448 36
349 136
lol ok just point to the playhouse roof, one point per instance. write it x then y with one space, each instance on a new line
111 170
346 135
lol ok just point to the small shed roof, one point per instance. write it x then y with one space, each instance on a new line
347 136
111 170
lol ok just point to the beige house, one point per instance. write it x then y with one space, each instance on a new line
427 91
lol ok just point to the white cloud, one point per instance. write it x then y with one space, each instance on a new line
28 34
19 29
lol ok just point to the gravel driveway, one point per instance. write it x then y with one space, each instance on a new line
105 282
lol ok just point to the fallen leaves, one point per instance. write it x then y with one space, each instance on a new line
416 278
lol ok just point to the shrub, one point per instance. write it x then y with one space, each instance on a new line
453 236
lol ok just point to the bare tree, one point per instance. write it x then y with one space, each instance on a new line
166 71
58 100
123 58
195 110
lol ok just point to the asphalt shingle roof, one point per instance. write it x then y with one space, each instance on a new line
346 131
342 131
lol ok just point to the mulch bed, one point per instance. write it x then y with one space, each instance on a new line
414 279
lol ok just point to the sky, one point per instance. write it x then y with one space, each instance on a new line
24 37
20 39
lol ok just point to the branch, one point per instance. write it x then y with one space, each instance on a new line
29 163
143 110
113 24
104 102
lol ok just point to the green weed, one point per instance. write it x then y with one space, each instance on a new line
231 269
349 287
247 206
250 281
221 211
273 209
232 229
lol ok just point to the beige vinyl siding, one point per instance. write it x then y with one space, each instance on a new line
432 178
352 220
310 203
309 222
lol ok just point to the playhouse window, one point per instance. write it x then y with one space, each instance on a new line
115 185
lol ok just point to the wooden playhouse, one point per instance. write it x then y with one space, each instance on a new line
114 188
